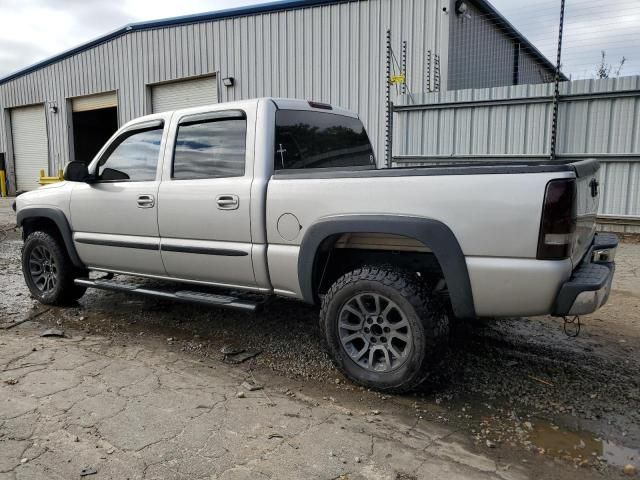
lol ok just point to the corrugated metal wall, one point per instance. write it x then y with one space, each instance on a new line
481 54
597 118
332 53
530 70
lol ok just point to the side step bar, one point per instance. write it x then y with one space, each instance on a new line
202 298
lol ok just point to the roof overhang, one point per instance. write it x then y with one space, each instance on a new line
168 22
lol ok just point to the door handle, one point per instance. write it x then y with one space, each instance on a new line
146 201
227 202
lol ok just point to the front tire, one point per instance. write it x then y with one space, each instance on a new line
48 270
383 328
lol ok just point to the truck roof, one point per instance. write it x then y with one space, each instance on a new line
281 103
297 104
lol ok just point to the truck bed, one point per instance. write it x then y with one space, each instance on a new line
580 168
493 209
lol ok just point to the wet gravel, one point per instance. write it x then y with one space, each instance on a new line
511 385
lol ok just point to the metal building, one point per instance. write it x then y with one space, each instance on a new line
487 51
330 51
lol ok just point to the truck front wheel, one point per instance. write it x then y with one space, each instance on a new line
48 270
383 329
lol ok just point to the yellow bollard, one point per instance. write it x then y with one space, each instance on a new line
47 180
3 184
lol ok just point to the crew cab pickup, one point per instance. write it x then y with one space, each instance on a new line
282 197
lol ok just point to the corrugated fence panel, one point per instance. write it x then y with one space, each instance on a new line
598 118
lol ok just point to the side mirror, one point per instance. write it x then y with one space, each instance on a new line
76 172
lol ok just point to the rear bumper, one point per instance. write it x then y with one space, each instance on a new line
590 284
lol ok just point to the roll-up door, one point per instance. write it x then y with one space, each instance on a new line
94 102
184 94
30 145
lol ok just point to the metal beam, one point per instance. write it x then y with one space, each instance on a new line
556 88
603 157
571 97
626 220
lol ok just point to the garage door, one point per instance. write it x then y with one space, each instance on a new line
184 94
30 146
94 102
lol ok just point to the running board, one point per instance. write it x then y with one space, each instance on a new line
203 298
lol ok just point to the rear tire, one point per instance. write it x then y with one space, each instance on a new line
48 270
383 328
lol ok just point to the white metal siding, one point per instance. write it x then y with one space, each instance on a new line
184 94
606 128
30 149
94 102
333 53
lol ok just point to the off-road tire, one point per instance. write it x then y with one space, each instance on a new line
426 315
65 291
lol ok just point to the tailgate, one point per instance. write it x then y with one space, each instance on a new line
588 195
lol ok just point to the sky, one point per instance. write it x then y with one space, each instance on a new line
590 26
33 30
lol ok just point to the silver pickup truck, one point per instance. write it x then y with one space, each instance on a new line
282 197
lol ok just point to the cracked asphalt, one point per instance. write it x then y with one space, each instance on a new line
137 389
145 412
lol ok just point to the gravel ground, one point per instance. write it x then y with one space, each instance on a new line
515 387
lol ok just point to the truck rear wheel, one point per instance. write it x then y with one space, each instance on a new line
383 329
48 270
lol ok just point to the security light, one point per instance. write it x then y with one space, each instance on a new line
228 82
462 8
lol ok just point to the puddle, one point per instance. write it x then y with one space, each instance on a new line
580 446
495 425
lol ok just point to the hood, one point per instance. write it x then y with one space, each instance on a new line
55 195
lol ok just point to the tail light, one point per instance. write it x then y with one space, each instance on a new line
559 216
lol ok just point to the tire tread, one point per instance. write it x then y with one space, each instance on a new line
413 289
68 291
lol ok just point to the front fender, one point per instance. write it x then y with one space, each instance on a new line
434 234
58 217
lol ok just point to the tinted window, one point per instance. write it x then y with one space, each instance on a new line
320 140
133 157
210 149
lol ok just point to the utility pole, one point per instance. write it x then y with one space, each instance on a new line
556 90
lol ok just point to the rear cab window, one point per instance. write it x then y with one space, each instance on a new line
318 140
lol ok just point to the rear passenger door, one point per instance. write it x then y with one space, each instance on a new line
204 200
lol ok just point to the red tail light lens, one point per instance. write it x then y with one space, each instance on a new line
559 216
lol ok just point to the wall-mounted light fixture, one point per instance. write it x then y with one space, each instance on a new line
462 8
228 82
53 108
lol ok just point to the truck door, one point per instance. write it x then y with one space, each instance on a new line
204 200
115 218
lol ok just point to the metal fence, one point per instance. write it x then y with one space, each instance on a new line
597 119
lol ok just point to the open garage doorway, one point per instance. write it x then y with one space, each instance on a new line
94 120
